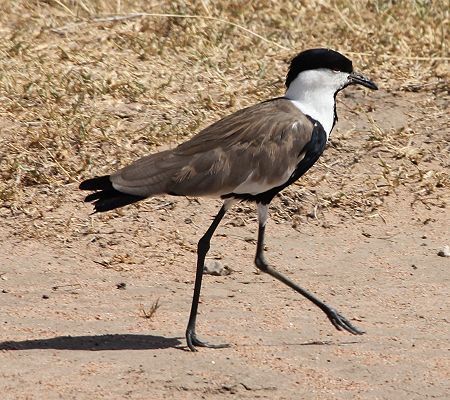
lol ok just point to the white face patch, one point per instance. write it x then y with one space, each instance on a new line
313 92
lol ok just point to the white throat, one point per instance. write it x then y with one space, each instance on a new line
313 92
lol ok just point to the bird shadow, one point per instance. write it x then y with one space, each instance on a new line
328 343
95 343
311 343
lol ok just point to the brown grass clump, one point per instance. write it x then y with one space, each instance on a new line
88 85
148 314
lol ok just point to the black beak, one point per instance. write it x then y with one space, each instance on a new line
359 79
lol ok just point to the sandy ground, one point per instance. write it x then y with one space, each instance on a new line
69 332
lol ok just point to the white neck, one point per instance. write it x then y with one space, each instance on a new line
313 92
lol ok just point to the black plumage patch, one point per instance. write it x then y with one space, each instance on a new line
97 183
315 59
105 197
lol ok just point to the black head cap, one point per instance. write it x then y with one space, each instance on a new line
317 58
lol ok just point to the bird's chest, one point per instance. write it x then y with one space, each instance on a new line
321 109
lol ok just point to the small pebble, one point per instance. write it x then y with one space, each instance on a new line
121 286
45 296
445 252
216 268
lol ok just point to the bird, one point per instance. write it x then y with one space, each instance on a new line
248 156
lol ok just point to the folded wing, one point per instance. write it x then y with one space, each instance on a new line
250 151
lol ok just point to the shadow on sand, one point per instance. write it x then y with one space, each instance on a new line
95 343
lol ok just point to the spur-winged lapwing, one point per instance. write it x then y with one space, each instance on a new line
250 155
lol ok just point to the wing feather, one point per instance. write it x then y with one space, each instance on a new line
255 148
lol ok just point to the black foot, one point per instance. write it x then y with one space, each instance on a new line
342 323
192 341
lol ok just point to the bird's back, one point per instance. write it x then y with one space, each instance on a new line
255 148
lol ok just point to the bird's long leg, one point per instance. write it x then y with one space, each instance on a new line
202 250
339 322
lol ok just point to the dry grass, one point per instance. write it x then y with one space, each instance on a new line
82 93
148 314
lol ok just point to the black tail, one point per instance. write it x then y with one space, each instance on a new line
106 197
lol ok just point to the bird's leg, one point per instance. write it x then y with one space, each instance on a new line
202 250
339 322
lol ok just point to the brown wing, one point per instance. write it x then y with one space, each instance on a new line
252 149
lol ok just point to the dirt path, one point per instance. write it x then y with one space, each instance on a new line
69 332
